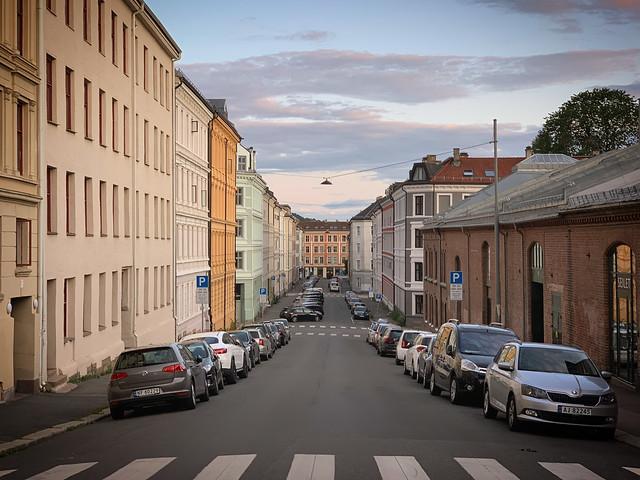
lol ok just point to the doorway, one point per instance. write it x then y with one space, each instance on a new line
536 260
24 345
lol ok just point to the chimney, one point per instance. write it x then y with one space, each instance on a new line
456 157
430 159
464 155
528 151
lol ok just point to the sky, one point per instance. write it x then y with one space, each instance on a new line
321 88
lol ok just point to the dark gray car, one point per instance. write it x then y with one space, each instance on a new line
253 350
153 375
210 362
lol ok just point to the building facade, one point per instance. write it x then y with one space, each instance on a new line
20 175
224 142
326 247
251 189
387 271
193 118
376 235
108 150
361 250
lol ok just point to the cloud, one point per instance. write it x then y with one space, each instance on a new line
631 88
306 36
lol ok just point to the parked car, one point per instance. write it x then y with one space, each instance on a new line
460 356
334 286
269 333
405 342
424 365
282 332
234 358
379 329
356 304
287 330
389 341
361 312
420 343
209 361
301 313
259 334
250 345
152 375
275 334
543 383
372 330
316 307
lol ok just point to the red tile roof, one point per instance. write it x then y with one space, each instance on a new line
450 173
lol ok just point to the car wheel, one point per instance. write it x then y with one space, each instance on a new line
418 376
405 370
214 389
117 413
258 360
244 373
425 380
512 415
433 388
205 395
488 410
221 382
294 319
414 374
398 362
454 394
233 375
253 361
190 403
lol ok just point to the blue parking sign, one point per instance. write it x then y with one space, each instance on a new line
202 281
455 278
263 291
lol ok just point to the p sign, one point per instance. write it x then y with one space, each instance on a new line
455 278
202 281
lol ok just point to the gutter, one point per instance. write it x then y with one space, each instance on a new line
41 297
174 253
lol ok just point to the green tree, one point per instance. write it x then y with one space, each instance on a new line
601 119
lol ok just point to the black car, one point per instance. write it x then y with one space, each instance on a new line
316 307
389 341
460 355
209 361
360 313
302 313
250 345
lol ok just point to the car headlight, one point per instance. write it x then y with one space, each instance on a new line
468 366
608 398
529 391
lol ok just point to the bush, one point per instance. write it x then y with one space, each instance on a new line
398 317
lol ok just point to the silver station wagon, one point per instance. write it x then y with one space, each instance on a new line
534 382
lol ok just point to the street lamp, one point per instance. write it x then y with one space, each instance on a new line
326 181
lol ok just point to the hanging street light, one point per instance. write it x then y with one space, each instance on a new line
326 181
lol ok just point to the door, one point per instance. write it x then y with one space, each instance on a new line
501 379
440 355
537 312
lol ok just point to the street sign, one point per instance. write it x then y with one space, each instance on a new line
263 295
378 297
202 296
455 286
263 291
202 281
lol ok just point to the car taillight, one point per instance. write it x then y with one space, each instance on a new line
388 340
260 342
420 348
220 351
174 368
404 344
118 376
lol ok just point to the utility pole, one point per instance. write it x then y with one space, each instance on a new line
496 226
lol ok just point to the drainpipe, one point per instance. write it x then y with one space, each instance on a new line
524 284
468 275
224 315
174 215
41 294
439 259
209 155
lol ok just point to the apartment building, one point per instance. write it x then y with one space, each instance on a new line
20 173
326 247
249 236
376 241
269 203
361 246
193 225
224 140
108 150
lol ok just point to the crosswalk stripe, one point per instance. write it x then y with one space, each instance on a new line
353 328
332 326
141 469
333 334
298 333
226 467
323 326
400 468
485 469
312 326
345 334
631 469
61 472
571 471
312 467
343 326
364 328
357 336
310 333
5 472
321 334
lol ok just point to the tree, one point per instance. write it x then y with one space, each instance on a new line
601 120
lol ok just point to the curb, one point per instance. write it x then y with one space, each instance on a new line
627 438
13 446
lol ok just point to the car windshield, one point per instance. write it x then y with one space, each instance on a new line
146 358
395 334
254 333
556 361
483 342
427 341
198 349
410 336
242 336
360 308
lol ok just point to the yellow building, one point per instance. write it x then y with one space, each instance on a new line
224 141
19 197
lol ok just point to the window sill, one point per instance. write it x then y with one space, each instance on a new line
86 137
71 234
88 234
69 340
86 334
71 130
53 122
52 233
101 328
104 235
113 324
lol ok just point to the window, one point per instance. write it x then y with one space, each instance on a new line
417 238
240 228
322 238
68 13
101 26
194 194
418 205
86 306
146 290
357 264
125 132
23 242
125 49
155 288
20 26
489 173
419 308
155 78
168 90
51 6
162 87
344 238
103 208
115 211
115 308
145 68
102 307
240 196
145 143
418 272
52 196
88 206
239 260
315 238
203 199
50 74
70 201
444 202
242 163
467 173
68 311
155 216
127 214
102 126
358 230
20 134
68 95
87 108
86 21
114 124
155 147
114 38
146 215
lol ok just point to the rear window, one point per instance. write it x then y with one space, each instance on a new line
211 340
427 341
197 349
146 358
410 336
254 333
395 334
242 336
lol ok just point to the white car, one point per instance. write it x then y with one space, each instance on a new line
420 343
234 359
404 342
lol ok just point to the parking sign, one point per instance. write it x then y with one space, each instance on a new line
455 286
455 278
202 281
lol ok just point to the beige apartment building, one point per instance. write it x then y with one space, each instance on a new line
109 174
19 198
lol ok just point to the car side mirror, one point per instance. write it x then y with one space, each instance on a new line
506 366
198 359
450 351
606 375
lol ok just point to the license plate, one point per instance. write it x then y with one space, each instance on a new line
146 392
574 410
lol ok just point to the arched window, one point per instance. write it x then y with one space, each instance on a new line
486 284
536 299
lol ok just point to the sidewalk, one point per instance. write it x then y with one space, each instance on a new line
628 416
32 418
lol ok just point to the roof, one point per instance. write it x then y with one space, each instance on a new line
219 106
477 169
323 226
368 212
187 81
160 26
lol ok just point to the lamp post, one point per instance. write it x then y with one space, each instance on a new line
496 226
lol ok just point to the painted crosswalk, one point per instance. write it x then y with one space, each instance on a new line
319 467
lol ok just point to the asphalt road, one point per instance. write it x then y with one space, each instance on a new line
325 394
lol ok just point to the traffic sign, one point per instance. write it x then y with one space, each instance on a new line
378 297
455 278
202 281
202 296
263 291
455 286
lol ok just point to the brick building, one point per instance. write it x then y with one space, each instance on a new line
326 247
570 232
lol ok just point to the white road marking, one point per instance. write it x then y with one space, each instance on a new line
353 328
571 471
226 467
321 334
343 326
364 328
485 469
345 334
61 472
298 333
312 467
323 326
310 333
357 336
635 470
141 469
6 472
312 326
333 334
400 468
302 326
332 326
